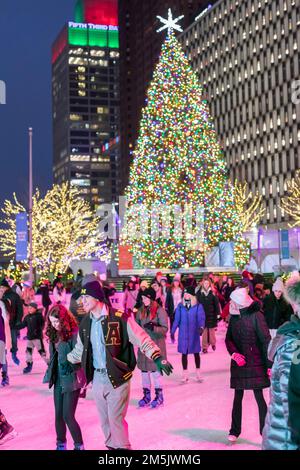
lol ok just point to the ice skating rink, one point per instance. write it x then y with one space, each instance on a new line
195 416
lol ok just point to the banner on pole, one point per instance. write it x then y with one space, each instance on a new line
285 246
21 236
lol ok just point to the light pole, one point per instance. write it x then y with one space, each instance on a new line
30 206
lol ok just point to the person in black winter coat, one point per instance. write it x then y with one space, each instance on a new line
247 342
276 309
227 289
173 299
210 303
34 322
139 299
15 312
66 378
46 301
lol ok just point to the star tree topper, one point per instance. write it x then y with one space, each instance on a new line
170 23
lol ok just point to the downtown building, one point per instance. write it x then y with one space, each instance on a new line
247 56
85 95
140 47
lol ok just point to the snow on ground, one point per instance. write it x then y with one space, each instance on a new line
196 416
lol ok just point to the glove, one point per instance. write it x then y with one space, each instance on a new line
66 368
150 325
163 366
239 359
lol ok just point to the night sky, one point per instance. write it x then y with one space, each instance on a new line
27 31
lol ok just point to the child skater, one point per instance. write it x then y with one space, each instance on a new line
153 319
34 322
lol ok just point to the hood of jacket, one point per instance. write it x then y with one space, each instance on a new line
291 328
254 307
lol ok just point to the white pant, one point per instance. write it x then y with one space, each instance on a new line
112 404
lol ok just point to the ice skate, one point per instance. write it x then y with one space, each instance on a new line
185 377
145 401
158 400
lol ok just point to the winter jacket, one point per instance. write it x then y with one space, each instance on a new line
158 336
5 335
225 312
55 373
46 301
226 291
248 334
211 306
277 433
2 327
120 334
15 308
34 322
190 322
276 311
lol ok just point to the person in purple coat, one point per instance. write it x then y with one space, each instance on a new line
190 320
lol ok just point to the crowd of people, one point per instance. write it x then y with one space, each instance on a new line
91 342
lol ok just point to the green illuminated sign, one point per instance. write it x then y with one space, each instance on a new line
82 34
113 39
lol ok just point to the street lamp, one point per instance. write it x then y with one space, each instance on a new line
30 206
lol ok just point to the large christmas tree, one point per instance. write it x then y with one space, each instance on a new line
178 165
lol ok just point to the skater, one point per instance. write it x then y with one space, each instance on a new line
34 322
282 428
174 298
139 301
105 348
130 297
211 306
276 309
46 301
158 293
59 293
153 319
190 319
4 335
15 311
7 432
67 379
247 342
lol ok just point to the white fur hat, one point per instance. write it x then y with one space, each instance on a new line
241 297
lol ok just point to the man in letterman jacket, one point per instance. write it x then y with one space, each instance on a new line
105 349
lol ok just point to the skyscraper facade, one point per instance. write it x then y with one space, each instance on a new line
247 56
85 92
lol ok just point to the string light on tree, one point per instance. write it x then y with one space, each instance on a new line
177 162
291 203
64 228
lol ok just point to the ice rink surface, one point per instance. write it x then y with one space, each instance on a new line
195 416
